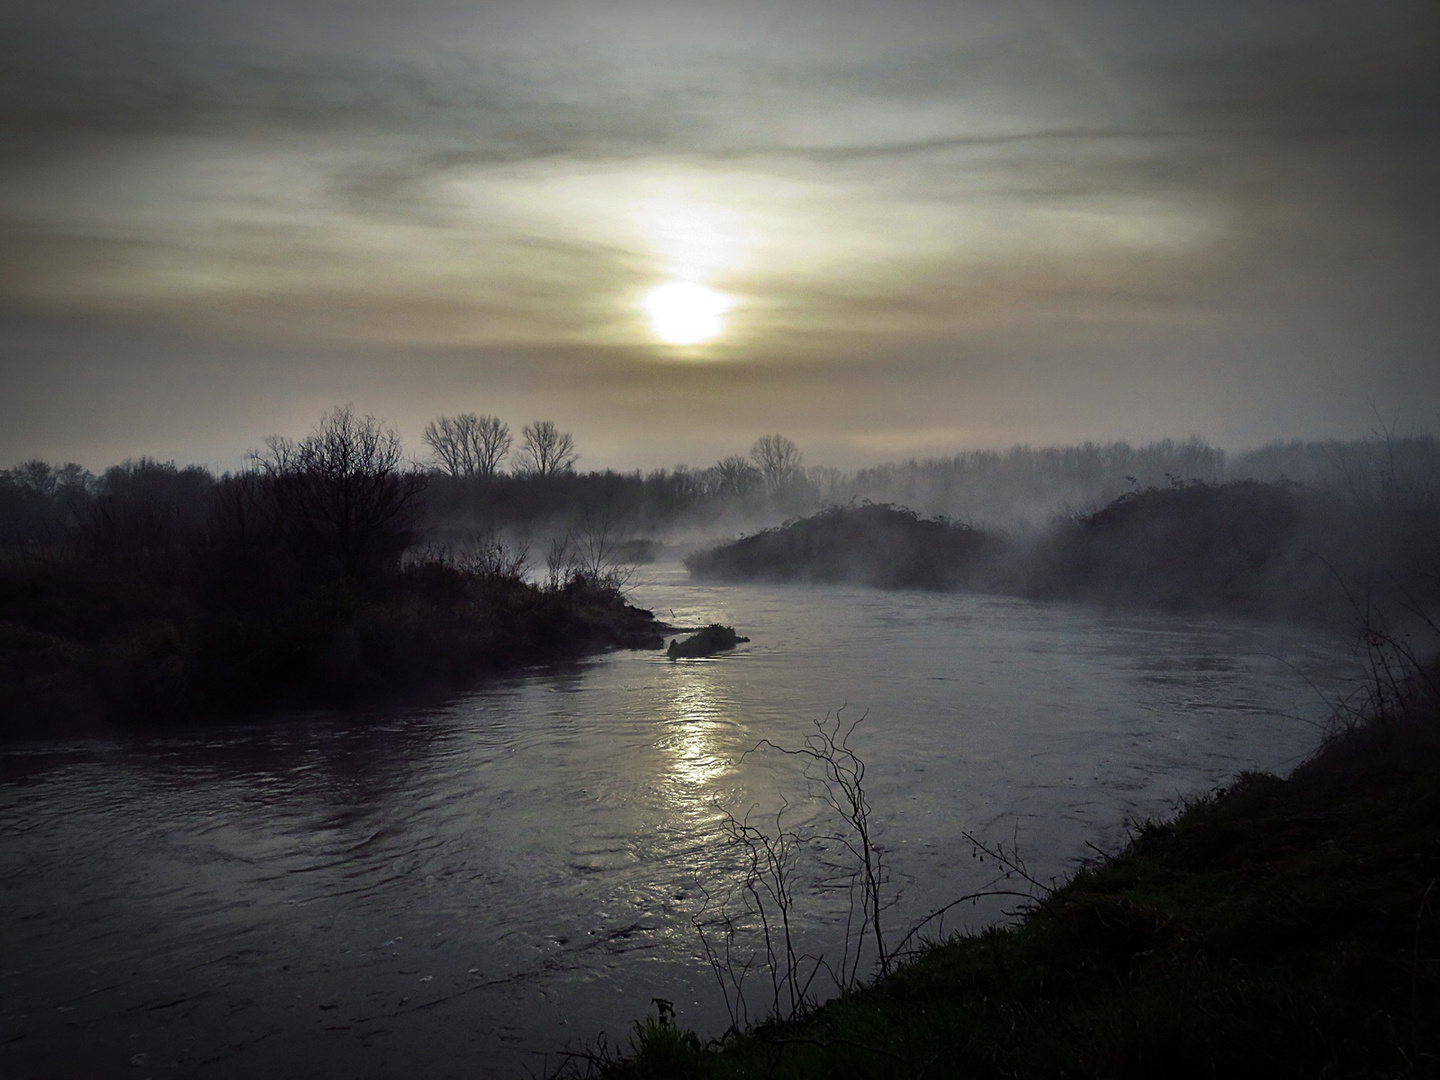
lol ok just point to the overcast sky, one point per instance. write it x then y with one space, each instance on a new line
936 226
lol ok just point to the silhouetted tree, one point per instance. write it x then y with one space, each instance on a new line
147 514
28 520
826 480
736 476
42 507
469 445
34 474
341 494
245 550
668 492
74 491
778 460
546 450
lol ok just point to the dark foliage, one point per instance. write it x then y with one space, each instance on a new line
455 506
343 500
1195 545
871 544
82 646
173 595
1268 549
709 641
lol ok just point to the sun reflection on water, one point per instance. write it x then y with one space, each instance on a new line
700 736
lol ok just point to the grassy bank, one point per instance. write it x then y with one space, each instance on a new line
1280 927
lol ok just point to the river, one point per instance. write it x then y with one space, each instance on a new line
469 889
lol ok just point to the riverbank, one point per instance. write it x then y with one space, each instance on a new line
1258 550
539 828
84 649
1278 927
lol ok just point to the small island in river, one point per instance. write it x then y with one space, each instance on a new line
1246 547
707 642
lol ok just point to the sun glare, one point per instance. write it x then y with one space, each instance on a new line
685 313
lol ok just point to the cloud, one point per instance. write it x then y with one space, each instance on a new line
882 188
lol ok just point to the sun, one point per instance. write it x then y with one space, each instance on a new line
686 313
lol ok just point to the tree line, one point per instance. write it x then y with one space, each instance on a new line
334 566
469 446
345 503
347 499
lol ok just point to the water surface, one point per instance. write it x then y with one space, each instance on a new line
466 890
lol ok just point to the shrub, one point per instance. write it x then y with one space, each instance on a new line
709 641
871 544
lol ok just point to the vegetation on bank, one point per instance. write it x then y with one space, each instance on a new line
1243 547
1279 927
870 544
334 569
710 640
80 650
176 595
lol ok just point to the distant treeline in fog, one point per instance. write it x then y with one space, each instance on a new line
1020 490
1267 549
1028 486
460 496
337 566
465 491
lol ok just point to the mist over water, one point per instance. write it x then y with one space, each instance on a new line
466 889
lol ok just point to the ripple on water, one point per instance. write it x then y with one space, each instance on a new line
483 881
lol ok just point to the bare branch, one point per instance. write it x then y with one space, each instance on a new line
468 445
545 450
779 461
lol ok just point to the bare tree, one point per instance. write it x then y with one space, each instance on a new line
546 450
736 476
42 508
600 549
341 494
469 445
70 487
36 475
778 460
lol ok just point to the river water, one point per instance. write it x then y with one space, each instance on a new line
471 889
